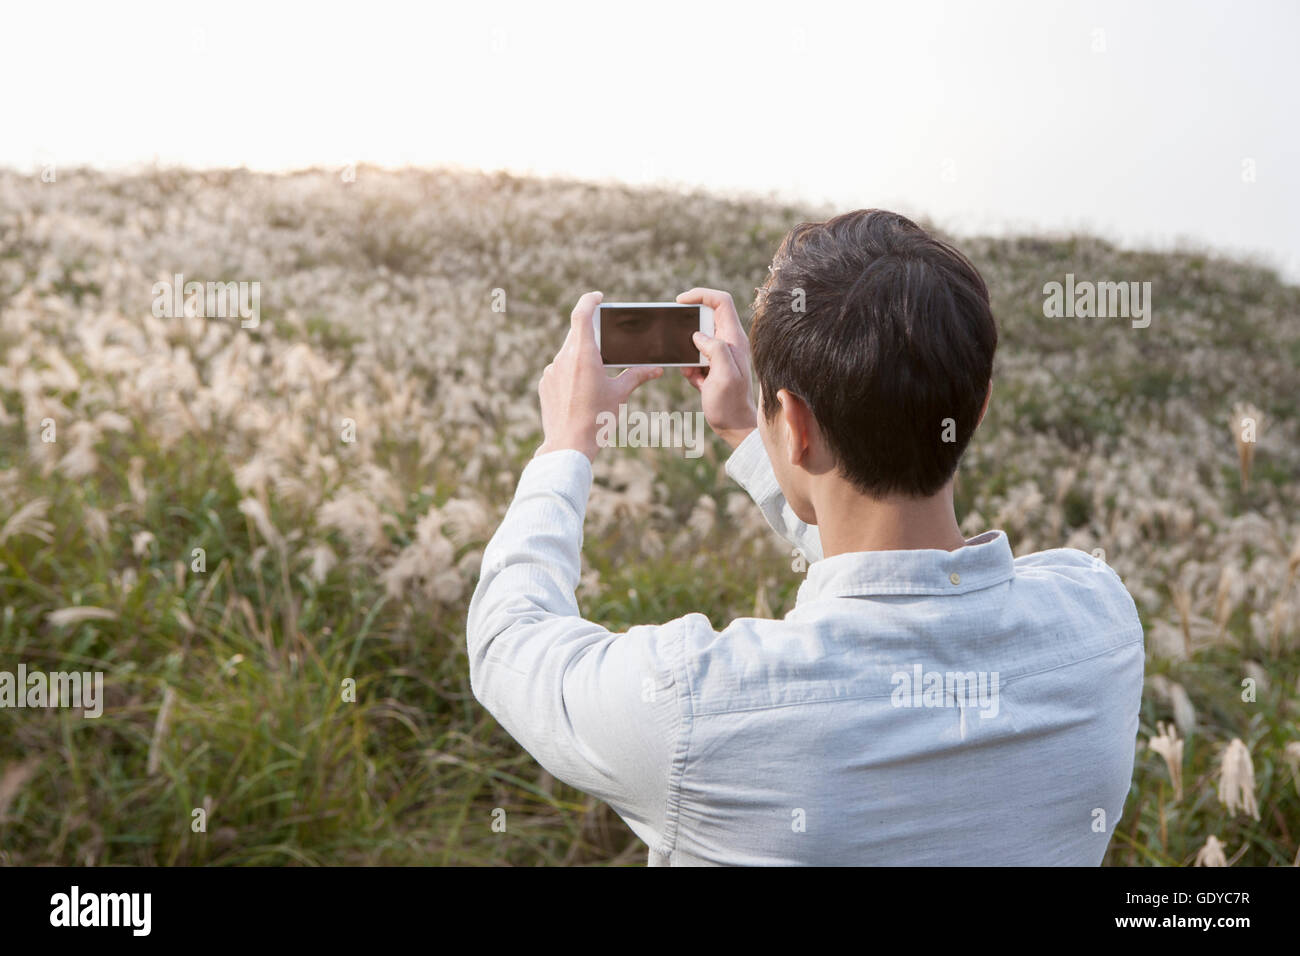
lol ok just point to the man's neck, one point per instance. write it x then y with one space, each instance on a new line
849 521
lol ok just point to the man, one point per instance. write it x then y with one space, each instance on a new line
929 700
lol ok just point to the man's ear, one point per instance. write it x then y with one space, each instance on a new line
987 396
798 421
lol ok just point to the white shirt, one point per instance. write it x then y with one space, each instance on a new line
915 707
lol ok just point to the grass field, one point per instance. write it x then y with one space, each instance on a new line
248 559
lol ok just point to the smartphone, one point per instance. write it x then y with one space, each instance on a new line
651 333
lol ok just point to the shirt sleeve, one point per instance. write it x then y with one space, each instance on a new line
750 467
603 712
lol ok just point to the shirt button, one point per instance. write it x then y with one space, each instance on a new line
955 578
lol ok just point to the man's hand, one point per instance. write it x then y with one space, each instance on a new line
724 386
575 389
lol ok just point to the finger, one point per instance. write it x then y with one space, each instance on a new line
632 378
718 352
713 298
580 326
726 322
694 375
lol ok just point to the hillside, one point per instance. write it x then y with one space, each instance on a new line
325 559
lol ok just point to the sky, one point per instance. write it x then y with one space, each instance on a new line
1155 124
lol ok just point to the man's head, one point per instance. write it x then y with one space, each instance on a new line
873 343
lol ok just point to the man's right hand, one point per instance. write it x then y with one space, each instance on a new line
725 391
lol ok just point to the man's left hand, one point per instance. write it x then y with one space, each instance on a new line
575 389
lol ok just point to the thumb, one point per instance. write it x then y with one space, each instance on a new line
632 378
715 350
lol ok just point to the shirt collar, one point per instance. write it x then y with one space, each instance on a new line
985 560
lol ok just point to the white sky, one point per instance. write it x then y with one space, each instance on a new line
984 116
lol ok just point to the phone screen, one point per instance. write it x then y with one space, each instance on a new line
649 336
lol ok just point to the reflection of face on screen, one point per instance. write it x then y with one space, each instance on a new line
648 336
